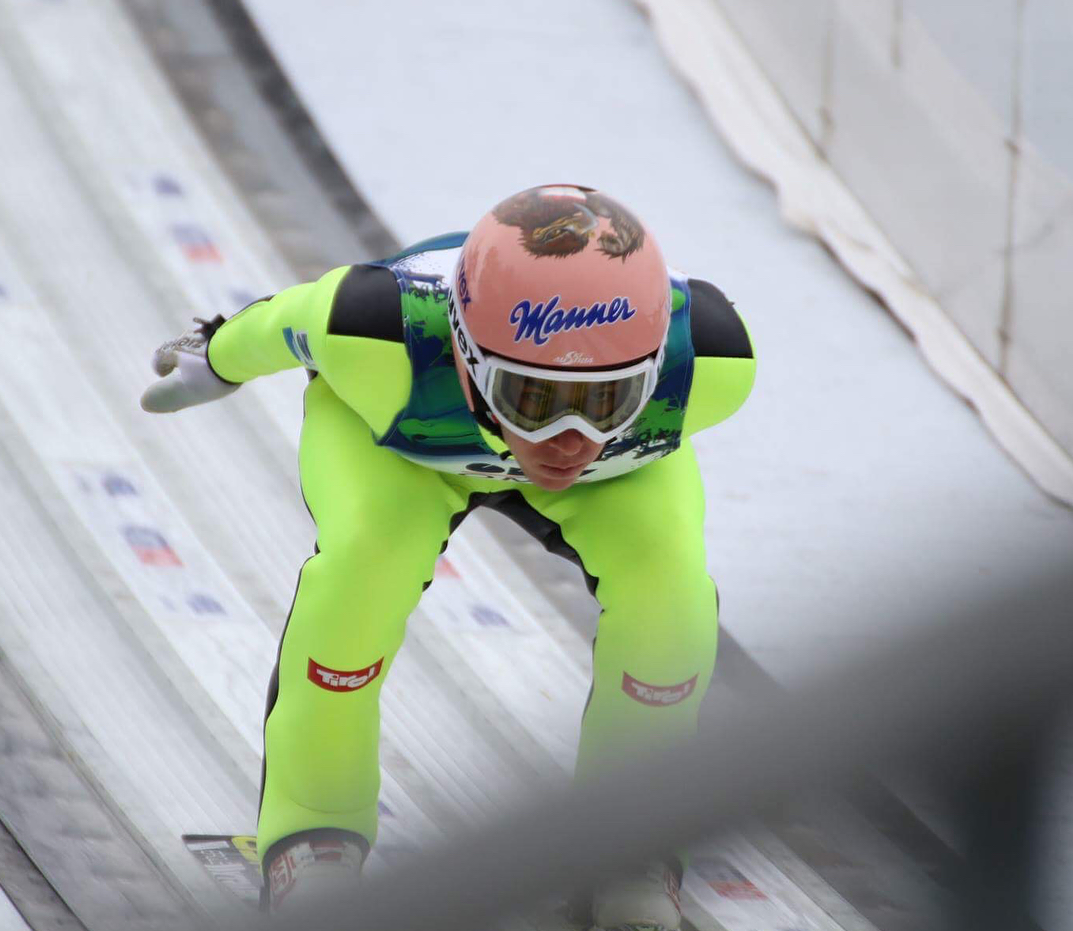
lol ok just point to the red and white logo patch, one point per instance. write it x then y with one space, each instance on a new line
281 872
657 695
335 680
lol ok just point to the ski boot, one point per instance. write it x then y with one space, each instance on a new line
646 901
305 871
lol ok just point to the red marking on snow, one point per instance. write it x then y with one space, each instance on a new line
157 556
149 546
737 889
445 570
196 244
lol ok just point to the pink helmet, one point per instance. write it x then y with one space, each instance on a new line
560 283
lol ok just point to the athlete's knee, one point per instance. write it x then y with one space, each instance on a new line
382 518
375 566
664 599
659 644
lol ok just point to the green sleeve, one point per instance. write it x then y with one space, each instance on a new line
370 375
254 341
720 386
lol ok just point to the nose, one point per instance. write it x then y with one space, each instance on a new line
567 443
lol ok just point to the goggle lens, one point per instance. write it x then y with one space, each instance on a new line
530 402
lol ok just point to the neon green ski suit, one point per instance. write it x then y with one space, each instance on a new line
391 459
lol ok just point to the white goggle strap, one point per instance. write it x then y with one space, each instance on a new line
473 360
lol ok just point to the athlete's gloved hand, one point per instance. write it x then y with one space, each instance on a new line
186 376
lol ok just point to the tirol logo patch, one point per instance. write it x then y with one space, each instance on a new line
541 321
281 874
335 680
657 695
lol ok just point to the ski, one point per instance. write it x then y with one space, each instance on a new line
231 860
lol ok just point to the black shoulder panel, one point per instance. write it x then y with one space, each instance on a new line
367 303
716 327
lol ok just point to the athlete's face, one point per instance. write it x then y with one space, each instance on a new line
555 463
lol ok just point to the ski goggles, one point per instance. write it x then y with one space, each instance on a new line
539 403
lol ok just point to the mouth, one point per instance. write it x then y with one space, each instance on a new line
563 470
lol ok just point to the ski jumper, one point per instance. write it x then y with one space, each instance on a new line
392 459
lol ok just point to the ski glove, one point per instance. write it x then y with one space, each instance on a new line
186 376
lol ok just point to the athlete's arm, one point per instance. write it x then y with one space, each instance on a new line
724 368
213 359
186 378
276 333
347 326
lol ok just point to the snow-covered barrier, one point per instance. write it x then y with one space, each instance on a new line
929 146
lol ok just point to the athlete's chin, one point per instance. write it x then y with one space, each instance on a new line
553 484
547 478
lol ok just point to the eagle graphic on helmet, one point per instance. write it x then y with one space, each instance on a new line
559 221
